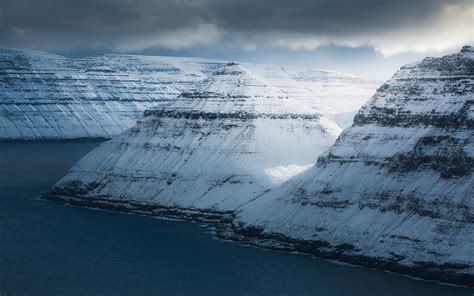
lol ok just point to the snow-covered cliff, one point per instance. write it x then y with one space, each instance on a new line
342 94
396 190
212 149
46 96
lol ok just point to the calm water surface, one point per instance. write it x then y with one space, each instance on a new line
50 248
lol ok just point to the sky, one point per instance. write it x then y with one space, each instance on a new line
365 37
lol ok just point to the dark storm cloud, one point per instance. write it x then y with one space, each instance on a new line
325 16
103 17
112 23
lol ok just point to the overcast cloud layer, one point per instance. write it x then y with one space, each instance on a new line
389 27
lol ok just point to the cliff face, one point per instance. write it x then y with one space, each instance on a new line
213 149
396 190
46 96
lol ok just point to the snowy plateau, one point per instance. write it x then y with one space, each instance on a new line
395 191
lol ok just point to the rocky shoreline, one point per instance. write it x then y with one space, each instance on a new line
226 228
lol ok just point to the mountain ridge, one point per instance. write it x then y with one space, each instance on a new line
396 190
210 150
45 96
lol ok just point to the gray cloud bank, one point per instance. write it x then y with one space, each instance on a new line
236 26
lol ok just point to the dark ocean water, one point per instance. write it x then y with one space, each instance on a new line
50 248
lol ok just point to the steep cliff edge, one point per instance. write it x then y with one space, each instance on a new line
396 190
212 149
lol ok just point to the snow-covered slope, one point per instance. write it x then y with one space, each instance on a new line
46 96
396 190
298 90
342 94
212 149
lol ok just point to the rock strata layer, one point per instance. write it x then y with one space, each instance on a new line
47 96
396 190
212 149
